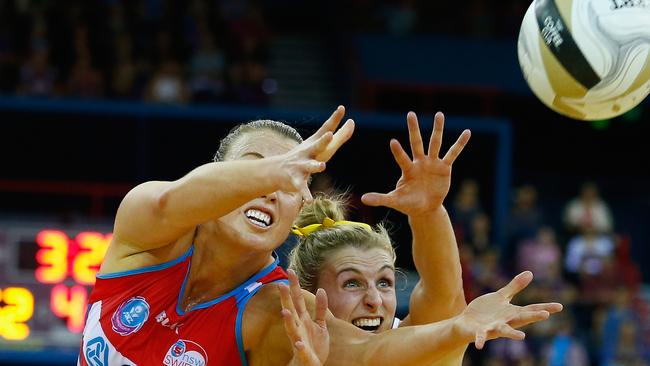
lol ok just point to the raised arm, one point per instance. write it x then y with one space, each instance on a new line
419 193
489 316
156 214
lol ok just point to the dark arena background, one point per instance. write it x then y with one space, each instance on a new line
98 96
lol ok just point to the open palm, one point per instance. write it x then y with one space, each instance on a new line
426 178
310 338
492 315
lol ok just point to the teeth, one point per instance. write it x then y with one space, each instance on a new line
367 322
259 217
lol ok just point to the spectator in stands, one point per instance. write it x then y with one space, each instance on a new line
525 217
8 59
626 347
465 207
587 252
123 81
588 209
565 349
37 76
486 274
85 81
539 254
479 240
168 84
504 352
206 69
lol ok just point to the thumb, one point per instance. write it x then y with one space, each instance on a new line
376 199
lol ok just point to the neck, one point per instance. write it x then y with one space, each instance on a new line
219 267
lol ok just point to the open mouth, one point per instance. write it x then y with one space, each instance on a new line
368 324
258 218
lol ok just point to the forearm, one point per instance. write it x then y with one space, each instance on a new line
215 189
435 254
415 345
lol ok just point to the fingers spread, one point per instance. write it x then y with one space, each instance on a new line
296 293
321 308
516 285
551 307
479 339
320 145
290 325
414 136
330 124
401 157
376 199
508 332
457 147
528 317
436 137
343 134
285 299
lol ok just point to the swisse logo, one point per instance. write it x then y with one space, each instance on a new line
185 353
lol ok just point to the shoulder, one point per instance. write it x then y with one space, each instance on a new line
262 313
263 332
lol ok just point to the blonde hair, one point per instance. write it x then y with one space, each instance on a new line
309 255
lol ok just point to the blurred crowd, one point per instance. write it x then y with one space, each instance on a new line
584 264
467 19
161 51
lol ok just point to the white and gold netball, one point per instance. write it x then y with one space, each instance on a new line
587 59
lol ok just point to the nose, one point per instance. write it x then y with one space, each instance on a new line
272 197
372 300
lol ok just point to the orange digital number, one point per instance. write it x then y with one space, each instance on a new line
70 304
52 256
92 250
18 309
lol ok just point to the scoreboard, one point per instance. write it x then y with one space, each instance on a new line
46 275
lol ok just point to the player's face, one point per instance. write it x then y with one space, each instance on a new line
263 223
360 286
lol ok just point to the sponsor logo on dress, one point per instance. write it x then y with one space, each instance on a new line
130 316
96 352
185 353
163 319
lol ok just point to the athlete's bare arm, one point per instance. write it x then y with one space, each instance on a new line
488 317
155 215
419 193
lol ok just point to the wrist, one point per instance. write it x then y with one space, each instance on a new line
427 214
460 329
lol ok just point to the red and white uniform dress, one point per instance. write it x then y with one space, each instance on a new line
134 318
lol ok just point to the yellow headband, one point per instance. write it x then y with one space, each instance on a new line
327 223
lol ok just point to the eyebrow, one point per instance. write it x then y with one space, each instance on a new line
352 269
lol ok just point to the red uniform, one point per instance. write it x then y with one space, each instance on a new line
134 318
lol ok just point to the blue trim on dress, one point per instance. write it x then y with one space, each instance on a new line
241 306
155 267
268 269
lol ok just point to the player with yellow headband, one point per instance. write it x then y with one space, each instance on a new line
355 263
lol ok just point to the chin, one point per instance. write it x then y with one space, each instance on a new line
265 241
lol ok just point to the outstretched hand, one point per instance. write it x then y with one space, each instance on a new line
311 155
309 338
340 137
493 316
425 179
